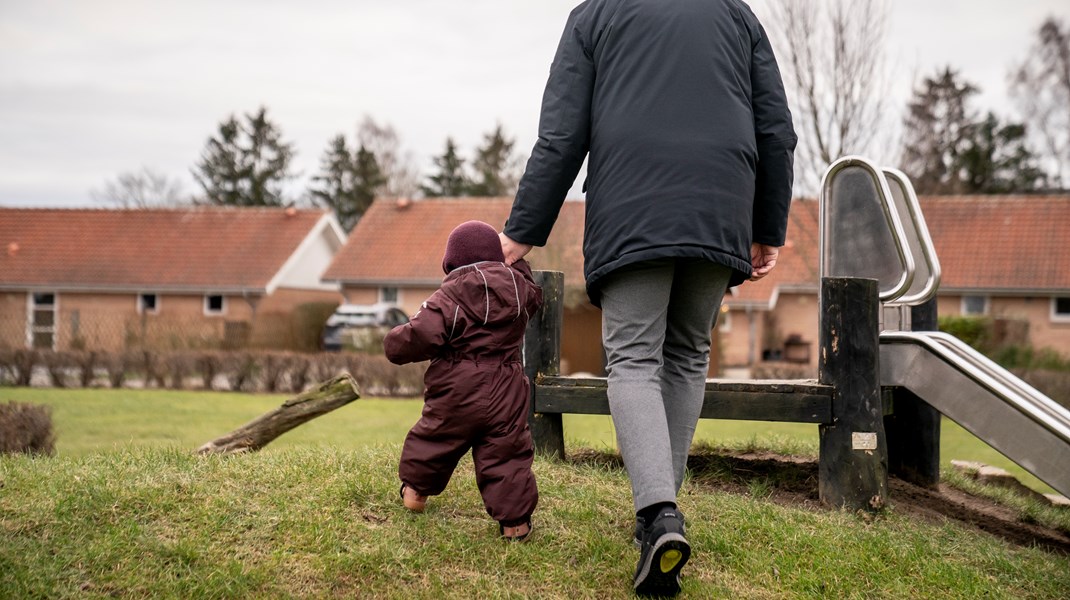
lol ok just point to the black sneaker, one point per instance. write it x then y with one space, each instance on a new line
640 525
664 552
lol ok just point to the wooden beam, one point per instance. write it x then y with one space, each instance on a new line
802 401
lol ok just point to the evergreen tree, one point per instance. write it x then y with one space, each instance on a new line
348 181
997 160
246 164
496 170
450 179
935 137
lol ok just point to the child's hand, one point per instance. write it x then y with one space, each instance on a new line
513 250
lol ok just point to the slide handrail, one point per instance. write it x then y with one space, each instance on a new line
1012 390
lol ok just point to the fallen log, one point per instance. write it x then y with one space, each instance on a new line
254 435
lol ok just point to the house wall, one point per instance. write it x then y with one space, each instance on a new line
1043 331
111 321
12 319
734 337
752 334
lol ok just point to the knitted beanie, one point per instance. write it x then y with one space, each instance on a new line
472 242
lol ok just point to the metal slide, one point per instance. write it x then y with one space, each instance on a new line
987 400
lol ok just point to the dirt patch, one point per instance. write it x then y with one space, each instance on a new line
792 481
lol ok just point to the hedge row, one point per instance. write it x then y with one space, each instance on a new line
247 371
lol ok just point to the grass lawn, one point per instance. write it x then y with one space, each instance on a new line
126 510
94 420
326 523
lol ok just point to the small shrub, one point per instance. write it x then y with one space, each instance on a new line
23 362
58 364
975 331
300 368
118 365
86 362
307 321
26 428
327 365
178 366
273 367
240 369
208 365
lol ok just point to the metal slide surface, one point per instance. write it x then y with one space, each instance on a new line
987 400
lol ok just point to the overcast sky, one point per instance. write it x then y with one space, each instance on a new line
93 88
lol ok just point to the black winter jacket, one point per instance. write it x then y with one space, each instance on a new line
681 106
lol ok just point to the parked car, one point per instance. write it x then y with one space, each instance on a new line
352 324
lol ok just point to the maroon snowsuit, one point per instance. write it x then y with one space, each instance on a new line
475 391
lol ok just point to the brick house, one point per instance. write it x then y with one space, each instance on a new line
1002 256
174 278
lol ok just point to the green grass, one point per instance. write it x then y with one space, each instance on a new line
92 420
326 523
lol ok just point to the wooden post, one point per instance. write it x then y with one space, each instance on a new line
542 356
259 432
914 428
853 467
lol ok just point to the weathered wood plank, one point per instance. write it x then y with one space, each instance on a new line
785 401
787 386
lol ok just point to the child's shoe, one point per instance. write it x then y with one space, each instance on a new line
412 499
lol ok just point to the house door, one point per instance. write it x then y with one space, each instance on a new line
42 321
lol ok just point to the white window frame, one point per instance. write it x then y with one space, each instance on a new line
397 294
32 327
1056 316
984 311
141 304
209 312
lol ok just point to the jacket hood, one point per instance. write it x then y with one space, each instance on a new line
491 293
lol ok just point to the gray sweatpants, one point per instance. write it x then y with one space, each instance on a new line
656 322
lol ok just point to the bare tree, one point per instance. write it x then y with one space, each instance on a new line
398 167
143 188
1041 87
836 76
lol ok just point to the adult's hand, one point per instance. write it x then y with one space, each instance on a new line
512 249
762 260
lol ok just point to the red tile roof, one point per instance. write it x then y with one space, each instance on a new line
1001 243
1007 244
402 242
219 249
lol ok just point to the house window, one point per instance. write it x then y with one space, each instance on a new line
42 321
1060 309
974 305
147 303
388 294
214 304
